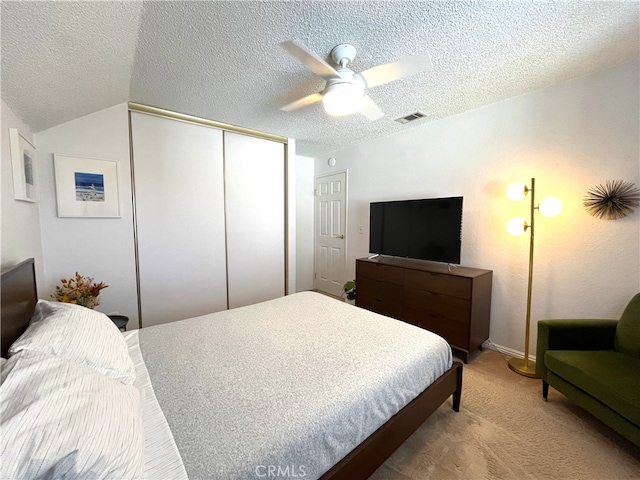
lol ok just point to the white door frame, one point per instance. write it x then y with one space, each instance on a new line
346 221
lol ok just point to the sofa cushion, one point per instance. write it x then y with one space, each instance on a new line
607 375
627 339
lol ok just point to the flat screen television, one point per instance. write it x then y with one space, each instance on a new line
428 229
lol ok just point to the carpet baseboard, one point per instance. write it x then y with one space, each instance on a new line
506 350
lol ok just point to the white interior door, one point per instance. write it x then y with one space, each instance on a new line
179 195
330 232
255 213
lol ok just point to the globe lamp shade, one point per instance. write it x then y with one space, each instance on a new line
343 99
516 226
516 191
550 207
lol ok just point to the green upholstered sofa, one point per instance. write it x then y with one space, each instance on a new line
596 364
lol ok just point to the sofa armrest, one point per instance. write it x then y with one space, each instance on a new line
573 334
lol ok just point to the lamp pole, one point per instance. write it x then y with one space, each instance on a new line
524 366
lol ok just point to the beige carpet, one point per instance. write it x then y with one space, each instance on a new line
504 430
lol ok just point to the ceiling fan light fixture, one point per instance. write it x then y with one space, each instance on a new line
343 99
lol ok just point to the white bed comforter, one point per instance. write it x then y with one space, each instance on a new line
162 460
288 386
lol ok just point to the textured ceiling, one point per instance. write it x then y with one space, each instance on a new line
223 60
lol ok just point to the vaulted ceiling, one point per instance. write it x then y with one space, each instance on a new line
223 60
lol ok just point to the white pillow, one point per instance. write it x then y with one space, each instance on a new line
61 420
80 335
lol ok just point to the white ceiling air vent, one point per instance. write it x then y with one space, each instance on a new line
411 117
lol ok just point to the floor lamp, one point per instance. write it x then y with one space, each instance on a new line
549 207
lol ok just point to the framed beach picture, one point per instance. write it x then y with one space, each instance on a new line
23 166
86 187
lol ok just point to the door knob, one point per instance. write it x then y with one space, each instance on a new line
341 237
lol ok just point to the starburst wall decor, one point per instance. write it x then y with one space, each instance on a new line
615 199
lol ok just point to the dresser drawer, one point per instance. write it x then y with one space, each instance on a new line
438 304
384 273
438 283
456 333
384 307
381 297
381 291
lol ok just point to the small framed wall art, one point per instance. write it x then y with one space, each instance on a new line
86 187
23 166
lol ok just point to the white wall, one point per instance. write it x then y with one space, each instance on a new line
570 137
304 223
101 248
20 220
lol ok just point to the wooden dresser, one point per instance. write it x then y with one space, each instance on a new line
455 304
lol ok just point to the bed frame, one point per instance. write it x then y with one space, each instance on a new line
370 454
19 297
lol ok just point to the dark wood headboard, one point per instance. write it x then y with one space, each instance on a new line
19 298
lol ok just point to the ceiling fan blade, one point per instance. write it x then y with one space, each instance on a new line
392 71
303 102
310 60
370 110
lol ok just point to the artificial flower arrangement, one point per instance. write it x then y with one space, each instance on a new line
79 290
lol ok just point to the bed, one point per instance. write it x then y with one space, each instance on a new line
299 386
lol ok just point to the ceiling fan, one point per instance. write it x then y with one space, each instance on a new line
345 90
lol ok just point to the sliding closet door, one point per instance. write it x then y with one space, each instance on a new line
255 205
179 199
